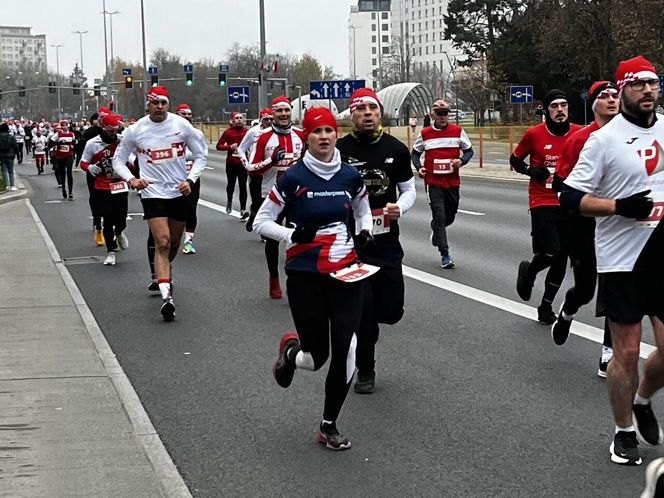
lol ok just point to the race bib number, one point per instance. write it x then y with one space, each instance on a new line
63 148
656 214
381 221
119 187
355 273
164 155
442 167
549 181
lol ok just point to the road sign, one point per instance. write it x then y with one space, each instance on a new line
584 94
238 95
153 70
223 68
521 94
188 68
126 71
661 83
333 89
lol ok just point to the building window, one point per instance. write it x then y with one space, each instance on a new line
373 27
420 50
419 38
386 27
385 50
373 16
386 38
433 49
373 39
426 25
373 62
426 51
426 37
383 15
373 50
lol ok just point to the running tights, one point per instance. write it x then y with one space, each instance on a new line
114 224
236 172
554 277
63 169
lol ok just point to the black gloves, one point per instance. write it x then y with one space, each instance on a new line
364 239
538 173
557 184
635 206
278 155
305 234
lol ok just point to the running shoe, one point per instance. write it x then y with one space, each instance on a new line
110 259
647 428
624 449
446 262
249 227
168 309
275 288
13 188
365 384
122 241
284 368
64 194
654 479
188 248
524 284
560 329
244 215
99 237
602 369
329 436
545 314
71 196
229 207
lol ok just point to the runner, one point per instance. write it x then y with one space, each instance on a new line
19 135
246 150
111 195
64 141
229 141
619 167
164 182
326 311
39 149
448 148
544 143
580 239
92 131
276 149
384 164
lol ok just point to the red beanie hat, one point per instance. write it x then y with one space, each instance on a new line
281 101
183 107
102 111
364 96
636 68
266 112
112 120
599 88
235 114
316 117
157 93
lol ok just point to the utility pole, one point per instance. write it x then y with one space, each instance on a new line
80 79
107 80
262 87
57 76
145 58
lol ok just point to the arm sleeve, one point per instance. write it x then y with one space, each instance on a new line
407 195
265 223
196 145
570 198
464 141
258 164
121 156
245 145
415 158
223 144
362 210
467 155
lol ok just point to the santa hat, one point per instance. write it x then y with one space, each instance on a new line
440 104
266 112
599 88
636 68
280 102
364 96
236 114
64 122
111 120
316 117
102 111
182 107
132 120
157 93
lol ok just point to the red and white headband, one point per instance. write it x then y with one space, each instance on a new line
365 99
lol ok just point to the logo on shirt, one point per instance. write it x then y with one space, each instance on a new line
389 160
653 158
631 140
548 147
376 181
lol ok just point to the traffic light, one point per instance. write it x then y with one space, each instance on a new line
97 89
76 90
51 87
154 79
222 79
189 78
129 81
21 91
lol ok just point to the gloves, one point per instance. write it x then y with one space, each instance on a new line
635 206
364 239
557 183
94 170
538 173
278 155
305 234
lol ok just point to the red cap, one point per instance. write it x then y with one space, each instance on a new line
281 101
102 111
266 112
316 117
636 68
112 120
364 96
235 114
183 107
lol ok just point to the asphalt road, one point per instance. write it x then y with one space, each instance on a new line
472 399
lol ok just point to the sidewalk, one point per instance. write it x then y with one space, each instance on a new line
70 421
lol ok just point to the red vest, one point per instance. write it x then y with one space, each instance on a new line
440 147
65 146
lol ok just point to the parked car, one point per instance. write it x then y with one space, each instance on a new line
457 112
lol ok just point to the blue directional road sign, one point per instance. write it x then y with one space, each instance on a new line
188 68
521 94
152 70
661 83
238 95
126 71
333 89
223 68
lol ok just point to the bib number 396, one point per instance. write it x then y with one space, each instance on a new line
162 155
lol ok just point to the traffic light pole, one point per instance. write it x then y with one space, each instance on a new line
262 87
145 59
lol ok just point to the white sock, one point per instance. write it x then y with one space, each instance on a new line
607 353
165 289
566 317
625 429
640 400
188 237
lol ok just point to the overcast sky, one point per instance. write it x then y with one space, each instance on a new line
193 29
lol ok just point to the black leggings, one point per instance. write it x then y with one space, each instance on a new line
272 252
63 167
114 224
96 219
255 185
19 154
236 172
192 205
327 312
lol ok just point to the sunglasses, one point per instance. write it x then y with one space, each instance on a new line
441 112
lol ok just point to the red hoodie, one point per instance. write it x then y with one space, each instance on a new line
64 147
232 135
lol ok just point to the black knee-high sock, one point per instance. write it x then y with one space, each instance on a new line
151 252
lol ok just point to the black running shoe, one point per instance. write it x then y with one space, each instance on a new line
624 450
244 215
545 314
284 369
168 309
524 283
153 286
645 422
249 227
560 329
365 384
329 436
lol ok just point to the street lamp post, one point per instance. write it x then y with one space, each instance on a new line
262 87
57 76
110 15
108 84
145 58
454 80
80 79
354 54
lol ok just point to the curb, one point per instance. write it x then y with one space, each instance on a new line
23 192
171 482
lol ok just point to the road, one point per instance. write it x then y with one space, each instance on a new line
473 398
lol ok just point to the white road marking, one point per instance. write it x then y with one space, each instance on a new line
474 213
52 202
208 167
217 207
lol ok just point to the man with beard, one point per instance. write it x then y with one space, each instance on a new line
229 141
618 179
384 164
94 130
544 143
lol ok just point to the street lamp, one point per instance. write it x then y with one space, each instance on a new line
80 78
110 15
57 76
454 80
108 84
354 53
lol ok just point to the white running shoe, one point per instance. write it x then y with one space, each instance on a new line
123 241
110 259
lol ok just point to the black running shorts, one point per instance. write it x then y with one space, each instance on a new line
626 297
548 229
175 208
